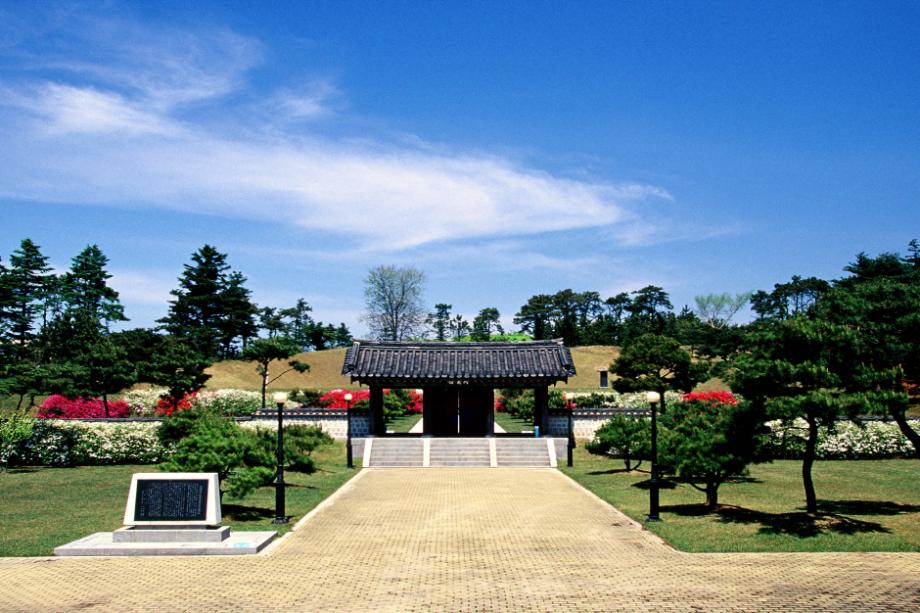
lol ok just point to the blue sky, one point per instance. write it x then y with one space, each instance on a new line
506 149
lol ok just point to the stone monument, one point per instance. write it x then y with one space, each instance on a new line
170 514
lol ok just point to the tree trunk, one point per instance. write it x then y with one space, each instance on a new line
712 494
908 432
264 383
105 403
811 444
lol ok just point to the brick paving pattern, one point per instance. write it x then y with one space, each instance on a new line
467 539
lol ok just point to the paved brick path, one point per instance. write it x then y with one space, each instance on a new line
467 540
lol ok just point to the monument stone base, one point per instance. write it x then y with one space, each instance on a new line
133 542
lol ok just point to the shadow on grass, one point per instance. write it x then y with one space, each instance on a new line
797 523
238 512
612 471
663 484
24 470
866 507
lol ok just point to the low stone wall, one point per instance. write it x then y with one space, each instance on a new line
333 423
585 422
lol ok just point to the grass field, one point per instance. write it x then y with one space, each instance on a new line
403 423
871 505
326 367
512 424
46 507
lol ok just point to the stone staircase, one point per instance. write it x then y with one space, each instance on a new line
460 452
401 452
522 452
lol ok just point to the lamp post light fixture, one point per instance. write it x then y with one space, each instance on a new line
280 516
348 397
653 399
570 447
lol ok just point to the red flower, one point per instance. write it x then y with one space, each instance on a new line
165 403
712 398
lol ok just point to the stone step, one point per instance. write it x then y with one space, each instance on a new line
459 452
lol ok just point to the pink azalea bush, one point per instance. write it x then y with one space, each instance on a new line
57 406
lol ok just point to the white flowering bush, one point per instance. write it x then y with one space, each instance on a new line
229 401
143 403
846 441
73 443
639 400
614 399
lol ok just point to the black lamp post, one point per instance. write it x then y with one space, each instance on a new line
653 399
351 461
280 517
570 448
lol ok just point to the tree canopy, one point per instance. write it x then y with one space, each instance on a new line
393 301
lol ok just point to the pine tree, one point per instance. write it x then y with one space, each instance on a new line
483 324
238 314
264 351
86 292
299 324
440 321
211 308
179 368
28 280
102 368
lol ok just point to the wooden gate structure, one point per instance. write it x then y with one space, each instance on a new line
458 379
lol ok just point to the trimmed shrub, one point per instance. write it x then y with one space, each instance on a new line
15 429
623 437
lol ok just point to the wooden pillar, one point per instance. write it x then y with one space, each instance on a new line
490 414
376 424
541 408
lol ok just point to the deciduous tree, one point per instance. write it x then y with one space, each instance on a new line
393 299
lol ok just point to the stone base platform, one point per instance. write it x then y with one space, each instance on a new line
105 544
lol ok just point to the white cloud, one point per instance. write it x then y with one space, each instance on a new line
137 287
122 137
63 109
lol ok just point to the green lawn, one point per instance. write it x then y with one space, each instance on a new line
403 423
869 505
511 423
45 507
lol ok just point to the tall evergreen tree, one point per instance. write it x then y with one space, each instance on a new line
298 324
484 323
439 321
85 290
237 319
28 281
535 317
6 305
211 308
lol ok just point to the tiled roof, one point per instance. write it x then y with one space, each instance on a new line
420 363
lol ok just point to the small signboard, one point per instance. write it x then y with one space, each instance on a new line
173 499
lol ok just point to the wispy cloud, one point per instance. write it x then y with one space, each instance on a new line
137 287
134 120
